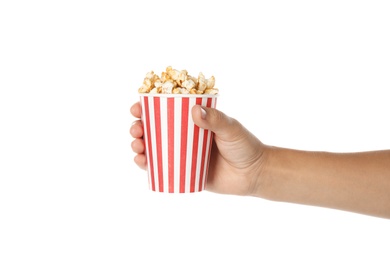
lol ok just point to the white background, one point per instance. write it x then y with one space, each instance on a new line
311 75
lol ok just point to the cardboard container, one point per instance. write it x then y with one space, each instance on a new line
177 150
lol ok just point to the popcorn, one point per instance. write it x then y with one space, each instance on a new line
173 81
188 84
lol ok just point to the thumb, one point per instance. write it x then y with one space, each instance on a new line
214 120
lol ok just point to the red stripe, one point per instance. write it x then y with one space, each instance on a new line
194 152
149 151
205 135
171 143
183 144
210 147
157 117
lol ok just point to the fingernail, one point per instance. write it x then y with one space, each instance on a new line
203 113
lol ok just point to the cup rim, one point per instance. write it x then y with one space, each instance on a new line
177 95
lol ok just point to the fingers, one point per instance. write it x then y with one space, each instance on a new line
135 110
140 160
138 146
136 130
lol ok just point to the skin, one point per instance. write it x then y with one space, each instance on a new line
242 165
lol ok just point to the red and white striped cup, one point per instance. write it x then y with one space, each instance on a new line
177 150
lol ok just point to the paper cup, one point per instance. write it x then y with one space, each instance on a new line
177 150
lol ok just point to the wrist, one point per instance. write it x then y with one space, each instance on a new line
262 179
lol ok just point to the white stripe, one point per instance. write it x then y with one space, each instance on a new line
199 159
190 143
164 140
204 103
177 135
207 161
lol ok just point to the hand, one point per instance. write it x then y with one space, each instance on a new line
241 165
136 131
237 156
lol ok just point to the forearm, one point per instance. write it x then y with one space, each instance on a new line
357 182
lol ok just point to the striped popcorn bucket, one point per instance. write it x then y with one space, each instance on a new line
177 150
